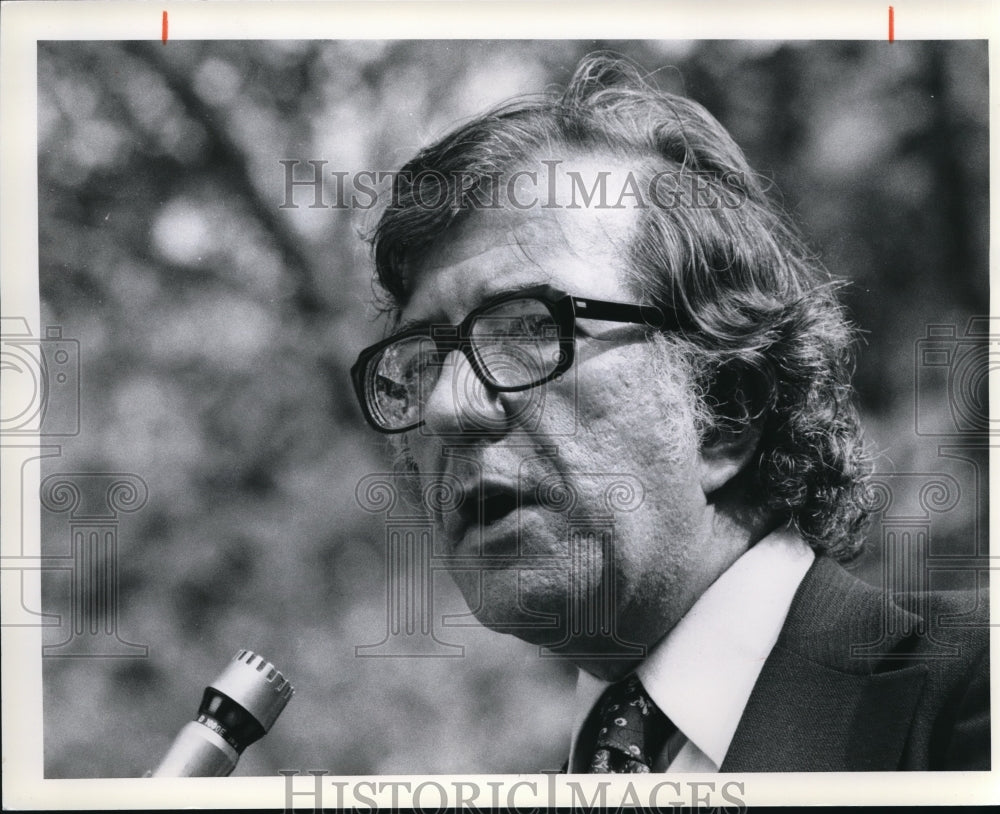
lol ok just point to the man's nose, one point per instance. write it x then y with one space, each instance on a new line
460 402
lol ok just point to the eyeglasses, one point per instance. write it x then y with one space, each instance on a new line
513 342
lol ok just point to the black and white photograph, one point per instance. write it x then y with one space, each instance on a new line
401 410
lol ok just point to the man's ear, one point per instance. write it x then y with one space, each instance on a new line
725 452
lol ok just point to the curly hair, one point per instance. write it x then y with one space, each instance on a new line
760 326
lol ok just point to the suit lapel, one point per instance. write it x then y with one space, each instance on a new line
815 706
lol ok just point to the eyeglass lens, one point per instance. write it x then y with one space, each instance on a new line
516 344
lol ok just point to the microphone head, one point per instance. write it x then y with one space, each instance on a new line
236 709
256 685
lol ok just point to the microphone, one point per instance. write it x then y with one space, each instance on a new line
237 709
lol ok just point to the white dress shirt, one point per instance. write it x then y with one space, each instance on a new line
702 672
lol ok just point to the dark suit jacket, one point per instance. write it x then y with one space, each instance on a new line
858 682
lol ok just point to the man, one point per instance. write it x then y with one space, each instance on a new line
634 382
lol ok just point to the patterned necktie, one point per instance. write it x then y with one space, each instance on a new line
632 730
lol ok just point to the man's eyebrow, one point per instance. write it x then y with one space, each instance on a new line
491 294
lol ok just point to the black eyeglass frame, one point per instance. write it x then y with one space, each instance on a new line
565 309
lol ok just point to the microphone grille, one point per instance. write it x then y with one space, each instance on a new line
271 674
255 684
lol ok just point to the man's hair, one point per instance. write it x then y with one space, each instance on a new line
760 327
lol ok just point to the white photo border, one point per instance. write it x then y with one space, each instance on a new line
25 23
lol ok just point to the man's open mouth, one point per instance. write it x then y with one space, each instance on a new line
493 507
485 504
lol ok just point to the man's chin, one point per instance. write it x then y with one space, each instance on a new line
538 612
603 655
524 603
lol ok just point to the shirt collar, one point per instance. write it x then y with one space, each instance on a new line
702 672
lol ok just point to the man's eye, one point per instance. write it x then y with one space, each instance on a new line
418 363
517 328
539 326
390 388
404 363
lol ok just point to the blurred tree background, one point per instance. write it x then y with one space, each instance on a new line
216 331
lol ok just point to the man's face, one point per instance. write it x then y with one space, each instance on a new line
543 538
